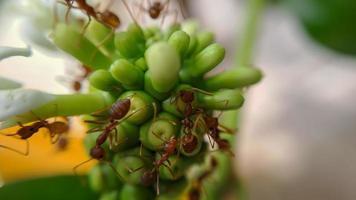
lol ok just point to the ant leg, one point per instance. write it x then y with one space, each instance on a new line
95 122
226 129
75 168
202 91
134 170
182 10
129 11
95 129
155 134
157 183
211 142
169 169
17 151
155 110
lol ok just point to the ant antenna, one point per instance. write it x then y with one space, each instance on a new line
17 151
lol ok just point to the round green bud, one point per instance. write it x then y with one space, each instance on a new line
150 90
127 45
154 133
127 136
203 62
112 195
177 168
222 100
180 41
142 106
127 74
141 63
204 39
136 31
134 192
163 63
131 168
102 80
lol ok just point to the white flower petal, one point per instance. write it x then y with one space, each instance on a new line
18 101
7 84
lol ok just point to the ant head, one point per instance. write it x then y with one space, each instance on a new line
148 177
76 85
97 152
155 10
186 96
189 143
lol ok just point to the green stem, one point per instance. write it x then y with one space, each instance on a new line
244 54
63 105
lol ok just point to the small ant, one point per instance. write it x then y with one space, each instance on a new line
55 128
77 83
156 9
212 125
189 140
151 176
117 111
196 190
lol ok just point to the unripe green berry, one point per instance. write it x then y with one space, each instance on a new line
127 74
163 66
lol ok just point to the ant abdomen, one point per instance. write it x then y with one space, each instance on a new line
120 108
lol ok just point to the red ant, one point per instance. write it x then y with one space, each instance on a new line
212 124
151 176
77 83
117 111
189 140
156 9
196 190
55 128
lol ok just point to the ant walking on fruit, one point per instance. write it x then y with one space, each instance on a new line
118 112
151 176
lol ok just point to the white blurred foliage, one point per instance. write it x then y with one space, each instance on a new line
18 101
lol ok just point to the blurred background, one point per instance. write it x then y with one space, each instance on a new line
298 128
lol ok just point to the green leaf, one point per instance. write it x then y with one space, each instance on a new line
330 22
54 188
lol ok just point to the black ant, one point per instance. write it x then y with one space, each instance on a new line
196 190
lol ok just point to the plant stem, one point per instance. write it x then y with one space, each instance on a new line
244 53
